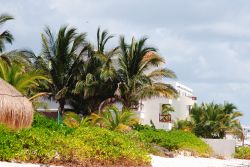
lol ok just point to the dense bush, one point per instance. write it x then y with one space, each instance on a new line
48 142
175 140
242 153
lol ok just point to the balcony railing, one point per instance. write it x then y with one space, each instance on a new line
165 118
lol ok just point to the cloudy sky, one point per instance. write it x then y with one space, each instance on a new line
206 42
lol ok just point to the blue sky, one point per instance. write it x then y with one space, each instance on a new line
207 42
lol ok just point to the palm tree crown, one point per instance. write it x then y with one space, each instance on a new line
5 36
214 120
140 75
61 57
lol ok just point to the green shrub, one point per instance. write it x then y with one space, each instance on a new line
114 119
175 140
242 153
71 119
48 142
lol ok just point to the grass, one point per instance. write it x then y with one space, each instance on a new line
242 153
48 142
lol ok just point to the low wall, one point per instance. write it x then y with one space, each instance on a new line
222 147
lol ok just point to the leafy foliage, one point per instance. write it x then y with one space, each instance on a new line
167 108
24 81
242 153
137 80
175 140
97 78
61 57
113 119
5 36
48 142
214 120
71 119
184 125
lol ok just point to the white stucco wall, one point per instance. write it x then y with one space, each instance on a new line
151 108
181 106
52 105
222 147
150 111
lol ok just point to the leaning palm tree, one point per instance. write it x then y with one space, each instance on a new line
61 56
139 73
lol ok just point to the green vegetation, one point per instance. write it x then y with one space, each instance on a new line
184 125
89 78
24 81
135 84
113 119
212 120
48 142
5 36
166 109
242 153
174 140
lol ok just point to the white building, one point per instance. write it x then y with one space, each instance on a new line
151 110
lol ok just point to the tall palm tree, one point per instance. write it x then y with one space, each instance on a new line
24 81
98 79
62 55
140 75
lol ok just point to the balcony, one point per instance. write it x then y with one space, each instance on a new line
166 118
194 98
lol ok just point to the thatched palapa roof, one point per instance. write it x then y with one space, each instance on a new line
16 111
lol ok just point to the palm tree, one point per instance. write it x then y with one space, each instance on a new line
230 121
98 78
24 81
5 36
62 55
114 119
214 120
18 56
140 75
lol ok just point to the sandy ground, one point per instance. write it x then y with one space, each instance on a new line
179 161
182 161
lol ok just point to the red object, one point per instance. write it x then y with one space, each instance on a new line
194 98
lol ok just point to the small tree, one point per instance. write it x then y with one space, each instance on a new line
114 119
